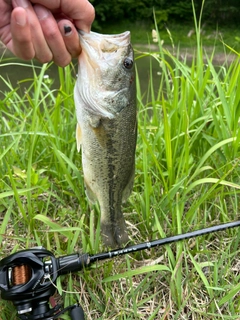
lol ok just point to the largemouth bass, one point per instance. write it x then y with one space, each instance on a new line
105 99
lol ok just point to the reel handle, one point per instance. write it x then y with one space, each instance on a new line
77 313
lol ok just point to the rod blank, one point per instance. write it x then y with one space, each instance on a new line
162 242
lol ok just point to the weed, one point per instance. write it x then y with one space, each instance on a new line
187 177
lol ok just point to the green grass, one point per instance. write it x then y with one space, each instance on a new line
187 177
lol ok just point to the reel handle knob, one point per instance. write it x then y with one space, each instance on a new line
77 313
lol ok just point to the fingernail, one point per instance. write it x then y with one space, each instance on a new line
21 20
67 30
41 12
22 3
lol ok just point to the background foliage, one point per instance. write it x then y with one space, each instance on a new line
215 11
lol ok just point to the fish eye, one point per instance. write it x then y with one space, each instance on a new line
128 63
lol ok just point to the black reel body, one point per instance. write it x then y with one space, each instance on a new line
27 278
31 284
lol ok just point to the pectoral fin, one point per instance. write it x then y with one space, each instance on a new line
78 137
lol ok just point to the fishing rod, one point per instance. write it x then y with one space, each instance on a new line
28 277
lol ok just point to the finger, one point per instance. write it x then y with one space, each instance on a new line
5 34
82 12
41 50
21 43
70 37
85 20
53 36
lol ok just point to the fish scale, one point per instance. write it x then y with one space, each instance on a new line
105 100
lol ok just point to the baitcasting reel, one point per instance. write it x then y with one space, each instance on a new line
28 277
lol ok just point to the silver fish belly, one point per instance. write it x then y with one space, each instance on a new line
105 99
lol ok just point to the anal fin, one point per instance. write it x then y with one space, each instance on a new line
90 194
128 189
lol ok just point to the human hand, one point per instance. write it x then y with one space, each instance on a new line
43 29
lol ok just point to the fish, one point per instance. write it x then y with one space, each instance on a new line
105 102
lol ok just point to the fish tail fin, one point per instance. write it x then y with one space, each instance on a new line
114 234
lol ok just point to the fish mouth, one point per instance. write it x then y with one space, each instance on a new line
91 38
100 46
